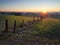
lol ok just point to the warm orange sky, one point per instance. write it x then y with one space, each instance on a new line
30 5
33 10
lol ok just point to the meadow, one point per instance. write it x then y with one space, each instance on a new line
44 32
11 19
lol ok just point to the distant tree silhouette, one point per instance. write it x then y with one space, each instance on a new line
17 13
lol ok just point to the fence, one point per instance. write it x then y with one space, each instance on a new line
22 24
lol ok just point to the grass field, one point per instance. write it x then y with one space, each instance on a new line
45 32
11 20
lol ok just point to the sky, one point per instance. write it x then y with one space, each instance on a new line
30 5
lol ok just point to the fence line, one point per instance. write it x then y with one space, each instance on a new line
15 23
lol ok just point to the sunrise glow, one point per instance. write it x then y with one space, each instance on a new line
30 5
44 12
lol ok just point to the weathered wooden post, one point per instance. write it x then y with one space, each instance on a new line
22 23
38 18
6 26
33 19
14 27
41 18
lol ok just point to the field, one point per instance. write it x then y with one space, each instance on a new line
11 20
45 32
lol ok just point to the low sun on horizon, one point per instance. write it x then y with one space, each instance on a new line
44 12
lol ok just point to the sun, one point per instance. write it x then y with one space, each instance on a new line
44 12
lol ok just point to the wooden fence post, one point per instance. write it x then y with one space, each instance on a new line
33 19
14 27
22 23
6 26
41 18
38 18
